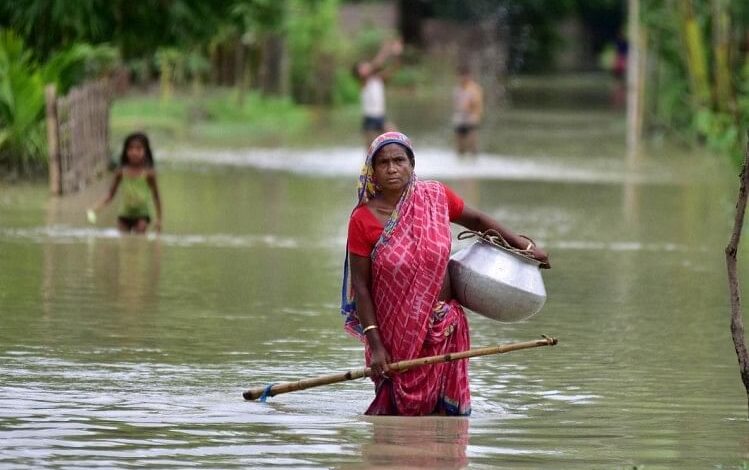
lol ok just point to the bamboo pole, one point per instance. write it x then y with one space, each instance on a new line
285 387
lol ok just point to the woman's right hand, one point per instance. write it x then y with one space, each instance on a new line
379 361
540 255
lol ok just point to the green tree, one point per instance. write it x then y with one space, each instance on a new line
22 137
314 48
49 25
699 80
22 81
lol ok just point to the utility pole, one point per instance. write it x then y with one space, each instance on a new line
634 80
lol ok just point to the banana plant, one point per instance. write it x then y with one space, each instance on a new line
22 137
22 82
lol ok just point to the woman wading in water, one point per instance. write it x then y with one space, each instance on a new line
399 301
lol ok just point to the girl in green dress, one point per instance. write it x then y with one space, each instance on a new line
137 177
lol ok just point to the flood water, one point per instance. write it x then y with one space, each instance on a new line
125 351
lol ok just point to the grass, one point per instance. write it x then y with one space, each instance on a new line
215 118
539 116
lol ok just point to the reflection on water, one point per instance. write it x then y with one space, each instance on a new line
123 351
430 442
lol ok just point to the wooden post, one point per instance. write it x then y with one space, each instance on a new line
737 323
53 147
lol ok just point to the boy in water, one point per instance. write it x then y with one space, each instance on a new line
372 76
468 107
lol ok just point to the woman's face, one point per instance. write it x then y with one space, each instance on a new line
392 168
136 153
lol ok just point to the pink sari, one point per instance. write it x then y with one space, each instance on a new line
408 266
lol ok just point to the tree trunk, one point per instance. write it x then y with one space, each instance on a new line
737 323
215 59
696 57
721 50
240 72
166 79
273 57
285 70
410 15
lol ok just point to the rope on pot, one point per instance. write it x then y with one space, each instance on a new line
495 238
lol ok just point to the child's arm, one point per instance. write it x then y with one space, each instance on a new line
112 191
388 50
151 178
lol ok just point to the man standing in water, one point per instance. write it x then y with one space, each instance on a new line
468 106
371 76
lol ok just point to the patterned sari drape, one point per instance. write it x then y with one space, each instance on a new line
408 266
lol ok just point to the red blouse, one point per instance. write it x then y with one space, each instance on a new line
364 229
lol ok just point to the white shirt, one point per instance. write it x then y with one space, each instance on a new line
373 97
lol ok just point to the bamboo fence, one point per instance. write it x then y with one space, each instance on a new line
77 135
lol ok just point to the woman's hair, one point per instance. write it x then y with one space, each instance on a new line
143 140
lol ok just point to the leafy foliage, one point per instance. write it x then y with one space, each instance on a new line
532 25
313 40
22 138
22 81
682 106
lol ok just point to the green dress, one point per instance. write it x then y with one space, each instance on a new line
135 196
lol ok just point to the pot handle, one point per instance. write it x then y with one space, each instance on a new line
493 237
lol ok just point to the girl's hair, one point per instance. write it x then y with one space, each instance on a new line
143 139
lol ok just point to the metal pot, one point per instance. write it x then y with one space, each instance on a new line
496 282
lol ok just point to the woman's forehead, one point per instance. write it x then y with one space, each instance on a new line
391 151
